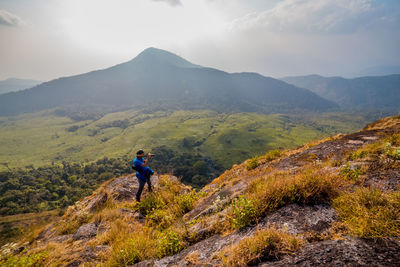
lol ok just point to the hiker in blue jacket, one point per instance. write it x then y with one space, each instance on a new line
143 172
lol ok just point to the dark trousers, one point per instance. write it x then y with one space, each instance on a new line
141 186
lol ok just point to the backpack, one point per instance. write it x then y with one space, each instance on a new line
134 168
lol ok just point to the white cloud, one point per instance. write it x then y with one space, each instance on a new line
277 38
171 2
298 37
8 19
316 16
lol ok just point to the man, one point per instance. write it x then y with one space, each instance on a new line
143 172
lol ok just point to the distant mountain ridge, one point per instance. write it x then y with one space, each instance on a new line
14 84
159 78
375 92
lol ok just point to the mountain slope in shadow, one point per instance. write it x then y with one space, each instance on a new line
379 92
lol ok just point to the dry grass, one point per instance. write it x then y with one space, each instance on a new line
311 185
163 232
386 147
257 161
25 227
248 168
69 225
383 123
314 143
268 244
336 231
134 243
130 244
369 212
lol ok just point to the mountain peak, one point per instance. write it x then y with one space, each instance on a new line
156 55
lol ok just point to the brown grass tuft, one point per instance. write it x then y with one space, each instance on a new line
268 244
311 185
383 123
369 212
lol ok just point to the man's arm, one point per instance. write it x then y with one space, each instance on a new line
146 161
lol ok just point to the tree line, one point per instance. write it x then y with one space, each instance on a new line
60 185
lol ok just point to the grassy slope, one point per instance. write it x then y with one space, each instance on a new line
41 138
268 189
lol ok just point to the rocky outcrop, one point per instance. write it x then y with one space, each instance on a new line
293 218
346 252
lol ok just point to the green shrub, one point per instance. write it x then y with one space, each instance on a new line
369 212
169 243
273 154
243 212
393 152
161 219
252 163
186 201
149 204
351 173
359 154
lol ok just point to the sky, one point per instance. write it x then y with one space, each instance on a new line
48 39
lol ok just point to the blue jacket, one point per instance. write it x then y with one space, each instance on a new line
142 171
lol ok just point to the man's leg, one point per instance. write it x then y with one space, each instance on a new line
148 175
140 189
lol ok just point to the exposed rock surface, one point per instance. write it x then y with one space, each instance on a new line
347 252
85 231
293 218
296 219
335 148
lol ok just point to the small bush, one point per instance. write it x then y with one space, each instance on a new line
393 152
267 244
186 201
244 212
252 163
160 219
150 203
169 243
351 173
370 212
272 155
359 154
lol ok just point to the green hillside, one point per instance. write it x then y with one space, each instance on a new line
43 138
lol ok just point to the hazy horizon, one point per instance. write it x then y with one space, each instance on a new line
54 38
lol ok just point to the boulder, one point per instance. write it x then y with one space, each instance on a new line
85 231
